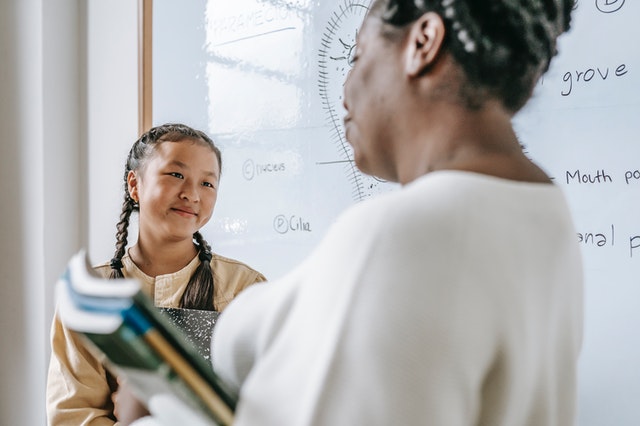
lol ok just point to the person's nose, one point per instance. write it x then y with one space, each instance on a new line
345 89
189 191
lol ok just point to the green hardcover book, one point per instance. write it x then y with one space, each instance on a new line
156 350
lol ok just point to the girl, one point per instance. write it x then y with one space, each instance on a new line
171 180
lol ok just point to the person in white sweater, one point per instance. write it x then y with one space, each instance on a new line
456 300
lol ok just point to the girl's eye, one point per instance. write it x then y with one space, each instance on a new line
209 184
176 174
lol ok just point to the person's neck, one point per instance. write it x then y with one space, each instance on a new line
160 259
481 141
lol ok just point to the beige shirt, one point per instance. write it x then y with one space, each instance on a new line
78 386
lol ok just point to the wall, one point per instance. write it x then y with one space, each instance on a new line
112 109
68 112
41 97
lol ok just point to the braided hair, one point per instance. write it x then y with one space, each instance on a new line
503 46
199 291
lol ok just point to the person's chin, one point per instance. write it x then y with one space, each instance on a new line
376 174
362 165
359 157
183 232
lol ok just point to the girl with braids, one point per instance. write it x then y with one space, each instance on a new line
454 301
171 180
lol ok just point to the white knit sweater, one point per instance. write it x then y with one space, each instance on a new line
456 300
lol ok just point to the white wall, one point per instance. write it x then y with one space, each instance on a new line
21 254
68 93
112 115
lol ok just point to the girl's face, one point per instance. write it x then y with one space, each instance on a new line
176 190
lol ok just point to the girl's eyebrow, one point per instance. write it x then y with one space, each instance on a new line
186 166
210 174
179 164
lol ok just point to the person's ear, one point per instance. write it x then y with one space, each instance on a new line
424 42
132 185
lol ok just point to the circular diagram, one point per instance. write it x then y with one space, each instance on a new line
335 59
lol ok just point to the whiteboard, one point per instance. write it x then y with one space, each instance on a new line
264 79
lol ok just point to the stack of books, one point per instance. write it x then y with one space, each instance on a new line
155 350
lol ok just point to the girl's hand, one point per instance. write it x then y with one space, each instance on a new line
168 410
126 407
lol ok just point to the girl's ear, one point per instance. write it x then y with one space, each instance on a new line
132 185
424 43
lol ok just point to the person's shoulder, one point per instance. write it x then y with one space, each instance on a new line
382 208
217 258
228 265
431 201
103 269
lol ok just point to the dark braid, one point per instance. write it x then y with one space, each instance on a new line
199 291
121 236
503 46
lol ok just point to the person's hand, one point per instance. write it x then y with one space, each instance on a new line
168 410
126 407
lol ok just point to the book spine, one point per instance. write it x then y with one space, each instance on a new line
173 358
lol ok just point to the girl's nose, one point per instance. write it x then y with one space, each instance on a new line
189 192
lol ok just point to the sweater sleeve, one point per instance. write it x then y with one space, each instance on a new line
234 345
247 326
